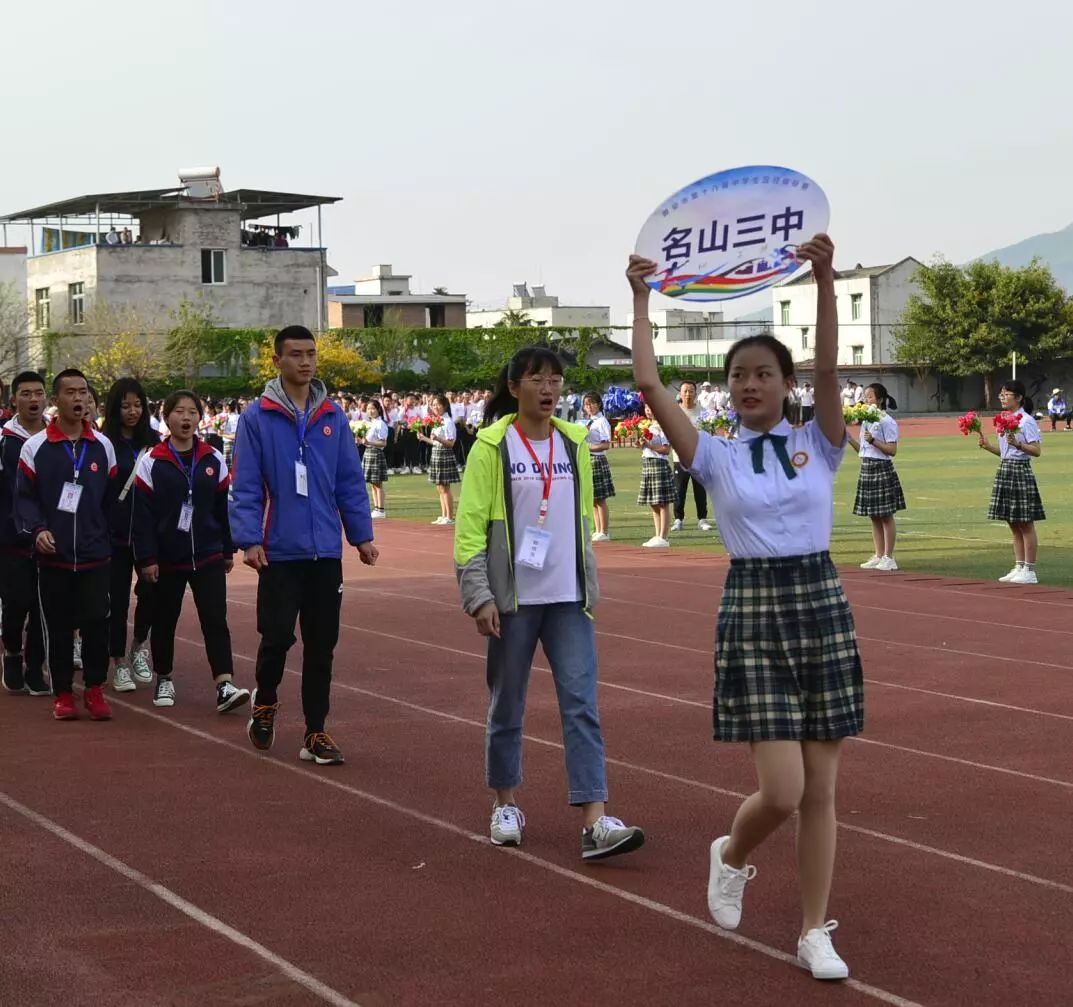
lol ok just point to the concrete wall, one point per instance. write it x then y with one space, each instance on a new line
13 266
891 293
56 271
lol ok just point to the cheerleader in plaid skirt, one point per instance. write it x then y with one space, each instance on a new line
374 461
657 482
788 675
599 441
1015 497
879 491
443 469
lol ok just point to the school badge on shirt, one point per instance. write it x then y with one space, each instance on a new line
799 459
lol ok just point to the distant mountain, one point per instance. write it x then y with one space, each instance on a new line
1054 250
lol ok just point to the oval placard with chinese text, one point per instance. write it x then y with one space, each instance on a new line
733 233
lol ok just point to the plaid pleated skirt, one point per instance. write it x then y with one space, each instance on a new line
603 486
443 469
657 482
787 666
879 490
374 463
1014 494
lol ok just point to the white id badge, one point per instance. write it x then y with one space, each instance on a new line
301 486
186 516
69 497
534 549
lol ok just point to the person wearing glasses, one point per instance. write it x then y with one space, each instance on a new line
525 565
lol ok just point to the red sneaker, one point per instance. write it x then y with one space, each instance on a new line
64 707
96 704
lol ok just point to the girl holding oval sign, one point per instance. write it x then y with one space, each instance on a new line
788 676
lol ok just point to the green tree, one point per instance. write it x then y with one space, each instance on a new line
440 291
513 319
339 365
188 347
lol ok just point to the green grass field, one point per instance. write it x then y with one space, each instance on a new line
947 483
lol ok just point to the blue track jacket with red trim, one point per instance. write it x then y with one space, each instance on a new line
83 539
12 437
266 508
161 488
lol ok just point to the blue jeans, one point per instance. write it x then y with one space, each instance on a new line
569 642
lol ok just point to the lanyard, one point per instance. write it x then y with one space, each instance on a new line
189 475
545 476
81 457
301 422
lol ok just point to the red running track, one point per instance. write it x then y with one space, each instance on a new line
158 859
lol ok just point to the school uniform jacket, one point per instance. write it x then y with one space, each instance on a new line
83 539
161 489
12 437
123 510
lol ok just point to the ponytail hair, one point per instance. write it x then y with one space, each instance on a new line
1018 388
528 360
884 400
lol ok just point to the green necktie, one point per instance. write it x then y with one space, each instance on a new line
778 442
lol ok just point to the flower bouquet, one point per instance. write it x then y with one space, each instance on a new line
969 424
626 428
359 428
1008 425
861 413
419 426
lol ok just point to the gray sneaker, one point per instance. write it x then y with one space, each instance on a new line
139 665
121 679
608 838
508 823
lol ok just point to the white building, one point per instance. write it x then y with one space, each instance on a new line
146 251
871 299
684 338
542 310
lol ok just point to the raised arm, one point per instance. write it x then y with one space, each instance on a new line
820 251
675 423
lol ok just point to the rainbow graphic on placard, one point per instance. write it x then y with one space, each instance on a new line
734 281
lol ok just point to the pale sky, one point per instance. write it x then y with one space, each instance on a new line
480 144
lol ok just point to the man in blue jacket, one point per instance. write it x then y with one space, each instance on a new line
297 484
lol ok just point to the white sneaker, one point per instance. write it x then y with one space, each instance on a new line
508 823
816 953
726 887
405 470
704 525
1011 575
165 692
871 564
76 659
678 525
448 520
887 564
121 678
1025 576
600 536
440 520
655 542
377 513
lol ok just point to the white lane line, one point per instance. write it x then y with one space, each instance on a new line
686 781
708 653
705 706
309 983
668 912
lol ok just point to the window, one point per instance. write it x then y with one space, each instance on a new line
212 265
858 354
784 310
804 338
855 307
437 316
42 308
76 303
374 316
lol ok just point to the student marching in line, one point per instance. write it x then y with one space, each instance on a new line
374 461
182 536
24 645
527 573
63 500
442 469
657 481
126 425
788 674
1015 496
879 491
599 442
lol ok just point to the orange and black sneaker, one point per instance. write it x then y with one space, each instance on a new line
262 725
320 748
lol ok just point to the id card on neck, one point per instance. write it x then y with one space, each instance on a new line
70 496
301 482
533 551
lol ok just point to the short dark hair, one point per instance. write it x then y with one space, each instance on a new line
299 332
26 378
177 396
68 372
688 381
